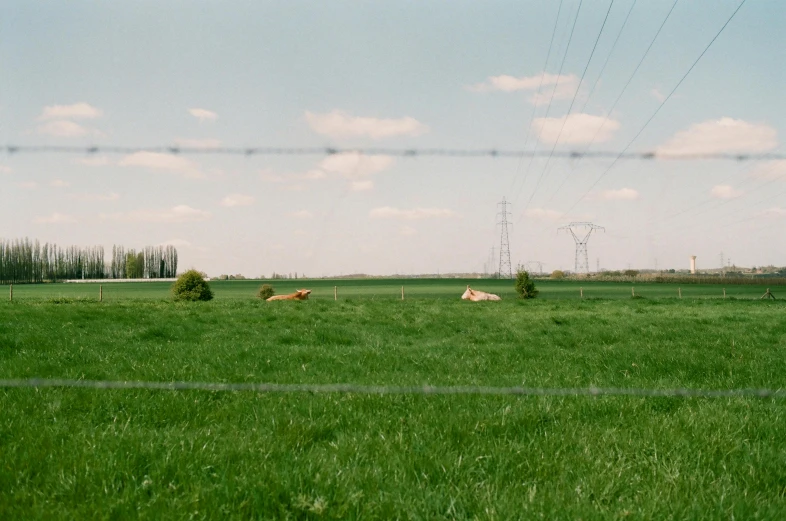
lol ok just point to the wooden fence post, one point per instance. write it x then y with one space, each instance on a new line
11 294
402 292
100 292
581 292
335 292
679 291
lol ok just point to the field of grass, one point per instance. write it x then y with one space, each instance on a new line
388 289
82 453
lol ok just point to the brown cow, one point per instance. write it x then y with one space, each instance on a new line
475 295
301 294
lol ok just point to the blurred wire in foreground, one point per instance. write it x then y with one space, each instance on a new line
385 389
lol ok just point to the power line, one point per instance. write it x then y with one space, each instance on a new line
619 96
537 96
556 86
396 152
611 51
392 390
570 108
665 100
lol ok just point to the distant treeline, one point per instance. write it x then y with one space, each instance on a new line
26 261
733 280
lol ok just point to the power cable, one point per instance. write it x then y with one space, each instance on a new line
665 100
570 108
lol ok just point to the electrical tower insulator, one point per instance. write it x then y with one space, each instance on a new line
505 268
582 260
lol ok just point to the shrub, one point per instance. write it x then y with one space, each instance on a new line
525 286
557 274
265 291
191 286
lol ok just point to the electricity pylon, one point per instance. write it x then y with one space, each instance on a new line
505 268
582 261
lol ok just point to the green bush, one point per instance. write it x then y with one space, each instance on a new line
265 291
525 286
557 274
191 286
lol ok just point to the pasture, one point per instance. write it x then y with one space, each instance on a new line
389 289
88 453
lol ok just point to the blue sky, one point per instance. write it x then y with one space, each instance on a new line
398 75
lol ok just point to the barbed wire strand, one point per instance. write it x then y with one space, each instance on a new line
397 152
385 389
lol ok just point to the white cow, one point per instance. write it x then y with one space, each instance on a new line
475 295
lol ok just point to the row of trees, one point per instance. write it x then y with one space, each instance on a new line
26 261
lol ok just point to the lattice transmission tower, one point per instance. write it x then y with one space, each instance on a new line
505 268
582 237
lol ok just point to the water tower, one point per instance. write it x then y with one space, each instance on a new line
692 264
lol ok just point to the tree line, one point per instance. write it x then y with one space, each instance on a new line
26 261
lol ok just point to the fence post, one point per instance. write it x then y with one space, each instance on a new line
100 292
679 291
402 292
632 291
335 292
11 294
581 292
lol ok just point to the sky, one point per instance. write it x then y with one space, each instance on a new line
357 74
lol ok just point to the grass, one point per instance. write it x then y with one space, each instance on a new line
77 453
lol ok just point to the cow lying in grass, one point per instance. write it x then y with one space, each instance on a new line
475 295
301 294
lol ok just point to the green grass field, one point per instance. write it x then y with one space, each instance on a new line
113 454
388 289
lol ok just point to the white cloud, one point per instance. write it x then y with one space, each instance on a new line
28 185
541 213
302 214
198 143
237 200
92 161
353 165
338 124
769 170
361 186
725 135
76 111
55 218
203 114
178 214
658 95
724 192
565 86
407 231
59 183
579 128
623 194
387 212
112 196
63 128
158 161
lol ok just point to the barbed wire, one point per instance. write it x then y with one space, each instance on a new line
392 390
399 152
